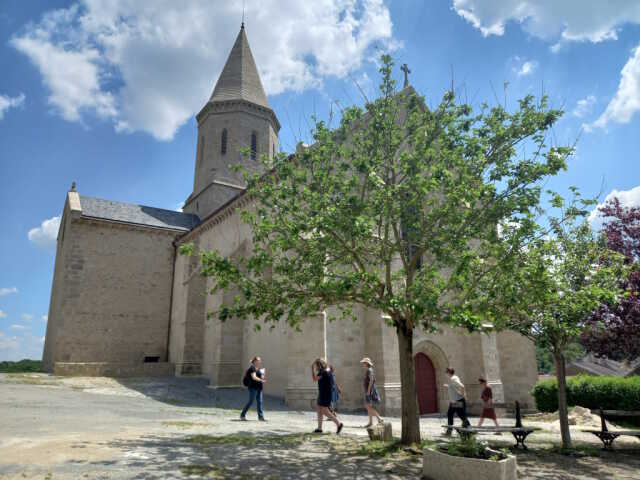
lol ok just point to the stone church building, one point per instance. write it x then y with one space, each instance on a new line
125 303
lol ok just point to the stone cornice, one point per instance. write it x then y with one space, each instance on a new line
238 106
127 225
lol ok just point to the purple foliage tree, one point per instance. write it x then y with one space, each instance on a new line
614 332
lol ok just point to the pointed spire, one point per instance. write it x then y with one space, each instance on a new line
239 79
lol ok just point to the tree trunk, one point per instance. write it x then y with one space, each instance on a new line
410 419
563 410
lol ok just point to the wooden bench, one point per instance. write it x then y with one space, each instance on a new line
607 436
519 432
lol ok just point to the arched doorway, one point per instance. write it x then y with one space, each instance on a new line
426 384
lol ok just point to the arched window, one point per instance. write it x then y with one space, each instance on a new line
254 145
223 142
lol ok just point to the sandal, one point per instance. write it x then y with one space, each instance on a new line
317 430
339 428
368 425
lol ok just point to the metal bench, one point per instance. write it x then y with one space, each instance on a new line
519 432
607 436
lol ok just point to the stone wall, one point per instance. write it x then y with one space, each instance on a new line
519 369
111 297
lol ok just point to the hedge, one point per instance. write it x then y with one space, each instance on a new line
610 393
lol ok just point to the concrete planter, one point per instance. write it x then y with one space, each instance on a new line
441 466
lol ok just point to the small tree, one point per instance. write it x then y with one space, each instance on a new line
390 211
563 276
614 332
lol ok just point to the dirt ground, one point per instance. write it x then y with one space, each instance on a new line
99 428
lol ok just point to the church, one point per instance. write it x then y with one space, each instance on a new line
124 302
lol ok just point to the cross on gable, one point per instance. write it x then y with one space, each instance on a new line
406 71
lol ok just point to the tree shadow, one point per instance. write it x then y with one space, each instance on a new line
623 463
195 392
244 455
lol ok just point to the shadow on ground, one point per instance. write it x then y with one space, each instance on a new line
195 392
622 463
247 455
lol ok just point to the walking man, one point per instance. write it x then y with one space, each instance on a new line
253 380
457 401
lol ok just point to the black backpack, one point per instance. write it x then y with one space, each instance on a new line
246 380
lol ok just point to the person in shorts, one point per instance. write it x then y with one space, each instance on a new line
322 375
371 396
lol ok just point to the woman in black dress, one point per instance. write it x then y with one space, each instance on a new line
320 373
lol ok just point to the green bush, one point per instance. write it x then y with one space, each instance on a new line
610 393
21 366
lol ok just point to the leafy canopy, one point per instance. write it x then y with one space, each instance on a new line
395 209
563 276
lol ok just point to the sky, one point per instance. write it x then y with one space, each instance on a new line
104 93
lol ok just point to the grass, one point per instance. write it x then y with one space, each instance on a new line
379 448
245 440
181 424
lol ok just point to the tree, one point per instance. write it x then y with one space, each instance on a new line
563 276
390 210
614 332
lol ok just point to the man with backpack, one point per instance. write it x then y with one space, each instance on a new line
254 379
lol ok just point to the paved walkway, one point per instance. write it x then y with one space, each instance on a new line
53 428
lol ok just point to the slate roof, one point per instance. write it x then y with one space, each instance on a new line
604 366
137 214
239 79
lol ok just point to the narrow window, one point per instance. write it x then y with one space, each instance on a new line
223 142
254 146
200 152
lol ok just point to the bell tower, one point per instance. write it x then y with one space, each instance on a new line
236 118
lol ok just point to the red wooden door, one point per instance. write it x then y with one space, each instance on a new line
426 384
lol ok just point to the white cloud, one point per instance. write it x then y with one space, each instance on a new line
26 345
7 102
17 327
626 101
26 317
3 314
46 234
552 20
151 66
527 68
7 344
45 318
627 198
584 106
7 290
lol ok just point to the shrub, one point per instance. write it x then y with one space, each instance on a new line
610 393
21 366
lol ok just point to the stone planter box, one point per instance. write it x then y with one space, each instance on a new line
441 466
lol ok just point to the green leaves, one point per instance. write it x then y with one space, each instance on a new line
397 209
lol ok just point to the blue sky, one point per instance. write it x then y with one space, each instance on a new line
104 94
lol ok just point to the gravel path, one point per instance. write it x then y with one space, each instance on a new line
101 428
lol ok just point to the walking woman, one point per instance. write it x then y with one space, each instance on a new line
371 397
320 373
487 404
